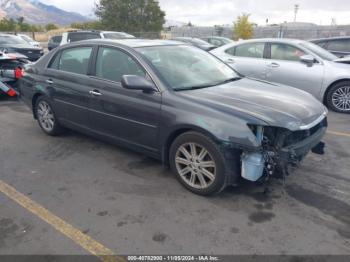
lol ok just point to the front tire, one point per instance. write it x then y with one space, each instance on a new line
46 117
198 164
338 97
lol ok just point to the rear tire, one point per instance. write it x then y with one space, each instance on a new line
46 117
199 164
338 97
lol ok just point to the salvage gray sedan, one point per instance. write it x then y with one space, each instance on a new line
296 63
178 104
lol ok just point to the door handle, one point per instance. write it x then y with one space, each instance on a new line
49 81
274 65
95 93
230 60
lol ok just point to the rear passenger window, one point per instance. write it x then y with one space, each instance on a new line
73 60
112 64
254 50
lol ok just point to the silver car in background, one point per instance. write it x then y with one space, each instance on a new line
295 63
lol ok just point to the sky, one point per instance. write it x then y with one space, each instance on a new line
219 12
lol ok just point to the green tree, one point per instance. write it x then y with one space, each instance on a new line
131 15
7 25
50 26
242 28
20 20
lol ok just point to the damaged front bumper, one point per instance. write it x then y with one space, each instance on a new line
280 150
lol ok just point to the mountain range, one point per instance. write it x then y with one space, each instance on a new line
35 12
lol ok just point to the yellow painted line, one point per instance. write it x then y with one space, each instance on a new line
338 133
66 229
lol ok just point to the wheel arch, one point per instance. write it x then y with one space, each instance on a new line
34 100
330 86
171 137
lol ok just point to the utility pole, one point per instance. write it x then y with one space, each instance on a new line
296 9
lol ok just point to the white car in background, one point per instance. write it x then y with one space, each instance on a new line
80 35
29 40
295 63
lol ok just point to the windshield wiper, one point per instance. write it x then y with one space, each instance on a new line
236 78
207 85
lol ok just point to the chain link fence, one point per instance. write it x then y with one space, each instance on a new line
279 31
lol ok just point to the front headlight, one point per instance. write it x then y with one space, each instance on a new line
293 125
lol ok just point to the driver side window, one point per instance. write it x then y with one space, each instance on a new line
112 64
286 52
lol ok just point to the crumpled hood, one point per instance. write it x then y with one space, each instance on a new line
276 105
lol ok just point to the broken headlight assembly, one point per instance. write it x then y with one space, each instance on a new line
280 149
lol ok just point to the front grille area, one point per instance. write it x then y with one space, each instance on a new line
31 52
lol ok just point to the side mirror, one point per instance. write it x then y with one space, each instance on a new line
308 59
134 82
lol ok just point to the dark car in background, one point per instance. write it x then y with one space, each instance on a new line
54 42
176 103
196 42
340 46
15 44
217 40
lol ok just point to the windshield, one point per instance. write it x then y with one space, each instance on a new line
323 53
117 35
27 38
187 67
11 40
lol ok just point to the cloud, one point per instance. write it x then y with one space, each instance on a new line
208 12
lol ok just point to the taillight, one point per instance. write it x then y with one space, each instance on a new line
18 73
11 92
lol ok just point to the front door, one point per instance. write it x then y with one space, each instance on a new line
285 67
130 116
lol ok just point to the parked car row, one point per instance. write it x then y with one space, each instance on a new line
179 104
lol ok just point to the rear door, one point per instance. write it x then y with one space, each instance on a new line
248 59
285 67
129 116
67 80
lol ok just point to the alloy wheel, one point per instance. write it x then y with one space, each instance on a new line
195 165
45 116
341 98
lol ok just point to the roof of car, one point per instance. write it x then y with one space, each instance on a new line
134 43
216 37
185 38
2 34
331 38
279 40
